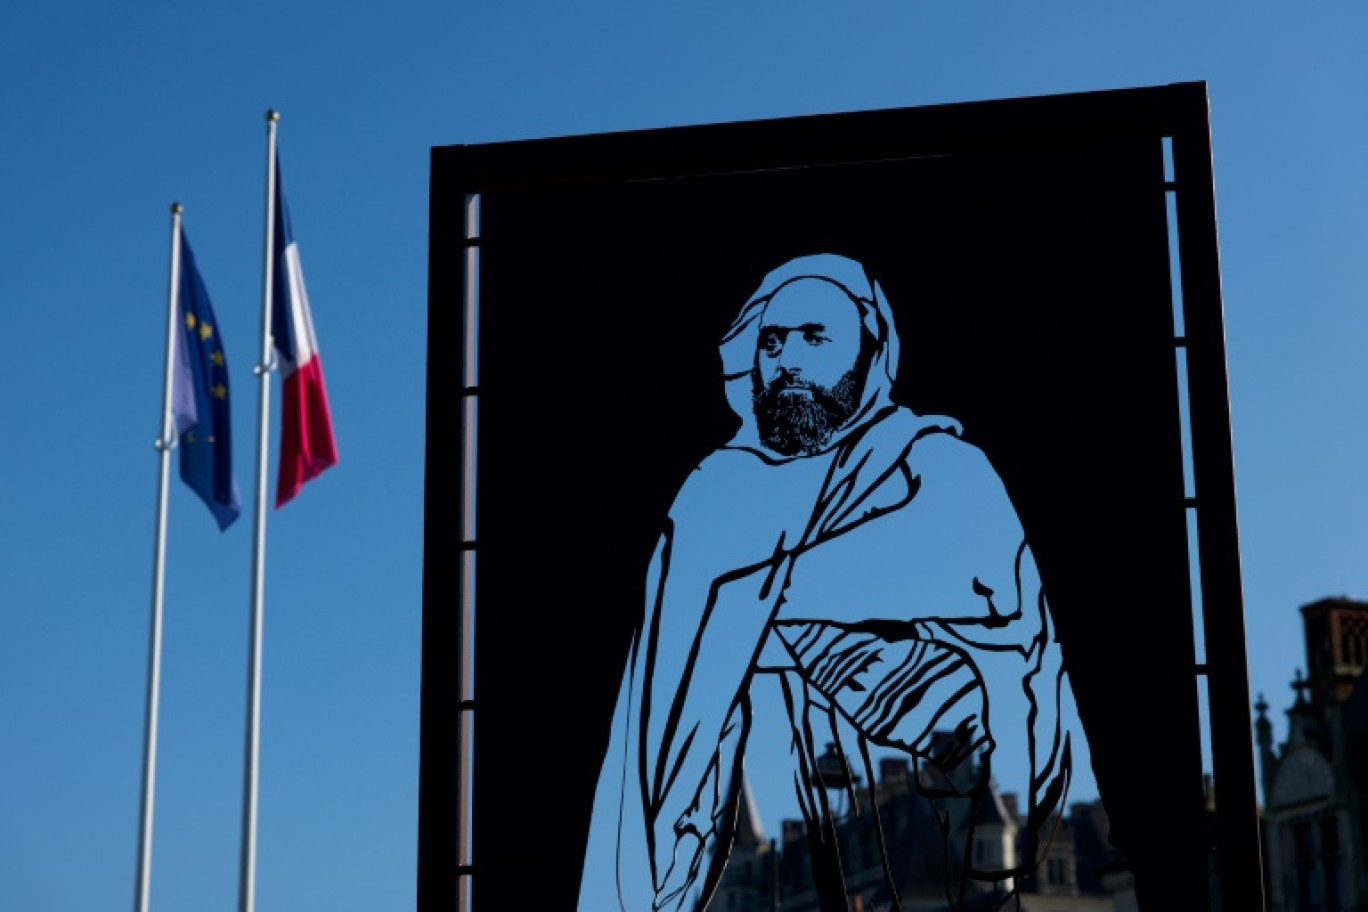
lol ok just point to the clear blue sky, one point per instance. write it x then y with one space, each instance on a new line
113 111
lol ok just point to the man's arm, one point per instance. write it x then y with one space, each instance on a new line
699 655
710 818
950 569
711 591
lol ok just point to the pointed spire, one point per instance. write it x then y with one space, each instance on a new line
1262 727
749 832
1263 737
1299 687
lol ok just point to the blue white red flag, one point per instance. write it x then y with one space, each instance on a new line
199 396
306 439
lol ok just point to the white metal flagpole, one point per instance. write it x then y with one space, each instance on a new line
164 444
263 371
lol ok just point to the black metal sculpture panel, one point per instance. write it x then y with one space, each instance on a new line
840 472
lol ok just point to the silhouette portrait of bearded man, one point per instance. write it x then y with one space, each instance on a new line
861 560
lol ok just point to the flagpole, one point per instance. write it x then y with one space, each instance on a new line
263 370
163 444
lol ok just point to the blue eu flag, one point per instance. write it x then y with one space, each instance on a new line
199 397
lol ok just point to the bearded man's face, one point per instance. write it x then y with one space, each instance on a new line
810 366
799 420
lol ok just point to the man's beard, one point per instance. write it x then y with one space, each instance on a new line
798 417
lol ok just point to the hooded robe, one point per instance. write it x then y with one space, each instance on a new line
883 582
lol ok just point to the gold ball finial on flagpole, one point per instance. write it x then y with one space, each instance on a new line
177 208
273 115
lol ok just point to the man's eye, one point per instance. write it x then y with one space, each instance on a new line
812 338
770 344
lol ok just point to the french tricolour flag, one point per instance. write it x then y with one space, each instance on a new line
306 434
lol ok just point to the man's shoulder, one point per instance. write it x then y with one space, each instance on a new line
933 435
719 474
935 444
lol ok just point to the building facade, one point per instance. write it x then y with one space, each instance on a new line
1080 874
1315 783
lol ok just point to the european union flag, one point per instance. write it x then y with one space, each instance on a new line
199 397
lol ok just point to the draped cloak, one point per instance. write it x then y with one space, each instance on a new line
885 581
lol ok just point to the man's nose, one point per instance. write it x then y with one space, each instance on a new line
786 374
